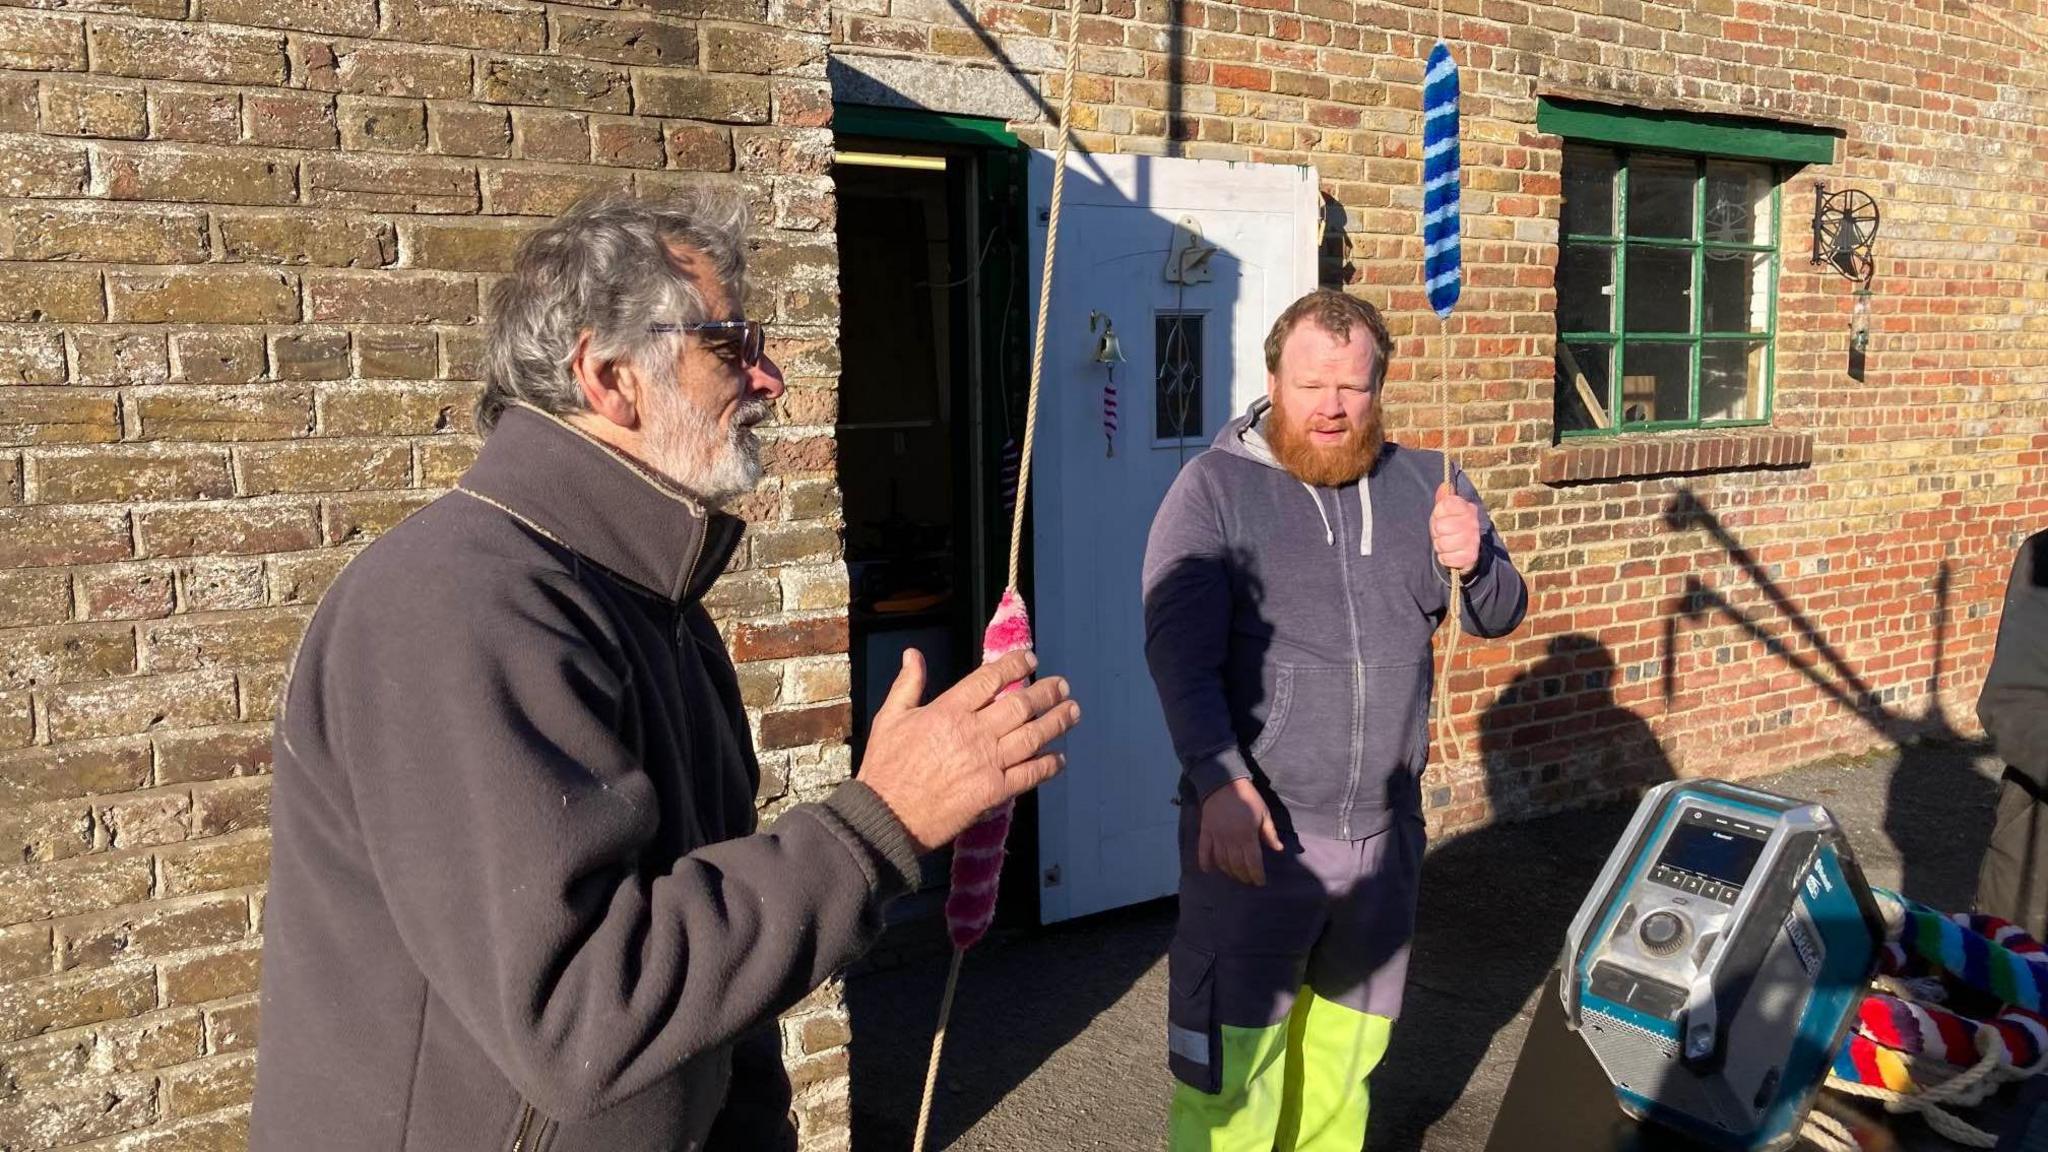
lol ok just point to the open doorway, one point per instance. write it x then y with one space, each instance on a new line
934 328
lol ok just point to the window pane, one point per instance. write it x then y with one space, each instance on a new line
1739 202
1738 292
1589 191
1659 290
1177 379
1732 380
1656 382
1660 197
1585 288
1582 386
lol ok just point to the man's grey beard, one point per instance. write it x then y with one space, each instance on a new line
714 465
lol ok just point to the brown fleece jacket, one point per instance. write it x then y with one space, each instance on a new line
518 897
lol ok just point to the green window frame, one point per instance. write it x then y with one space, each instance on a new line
1619 147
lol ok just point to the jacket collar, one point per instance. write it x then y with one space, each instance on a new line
596 502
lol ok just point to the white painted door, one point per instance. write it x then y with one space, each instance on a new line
1107 826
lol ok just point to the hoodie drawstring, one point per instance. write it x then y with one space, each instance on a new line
1329 537
1364 518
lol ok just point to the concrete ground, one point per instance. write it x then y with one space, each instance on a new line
1056 1041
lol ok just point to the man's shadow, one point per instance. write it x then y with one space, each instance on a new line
1496 901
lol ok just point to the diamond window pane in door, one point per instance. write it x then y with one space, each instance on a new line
1177 376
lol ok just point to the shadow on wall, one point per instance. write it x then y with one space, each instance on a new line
1556 738
1496 900
1921 781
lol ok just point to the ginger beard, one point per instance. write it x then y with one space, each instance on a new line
1324 465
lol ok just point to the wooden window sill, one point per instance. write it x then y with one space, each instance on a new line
1642 455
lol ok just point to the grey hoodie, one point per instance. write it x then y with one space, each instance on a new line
1288 627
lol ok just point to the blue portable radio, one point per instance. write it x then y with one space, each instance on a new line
1717 964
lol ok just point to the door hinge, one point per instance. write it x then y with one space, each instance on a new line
1052 876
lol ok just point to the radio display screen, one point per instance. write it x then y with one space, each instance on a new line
1716 853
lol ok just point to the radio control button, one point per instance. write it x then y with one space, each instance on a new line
1662 933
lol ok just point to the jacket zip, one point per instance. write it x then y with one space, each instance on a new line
1357 668
526 1114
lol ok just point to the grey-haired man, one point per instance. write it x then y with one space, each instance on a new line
518 895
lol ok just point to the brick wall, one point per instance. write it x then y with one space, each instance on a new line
243 246
243 249
1677 598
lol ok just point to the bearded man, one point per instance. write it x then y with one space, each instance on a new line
518 897
1292 581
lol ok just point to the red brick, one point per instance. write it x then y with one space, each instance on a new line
396 409
322 465
829 723
213 296
35 42
218 754
290 120
194 1089
93 108
214 866
222 640
238 529
553 84
390 298
375 184
67 888
468 130
126 592
47 537
550 135
59 416
66 1114
198 54
34 166
39 775
234 806
150 931
544 192
213 413
196 175
138 704
114 358
195 116
38 293
231 971
231 1028
781 640
509 25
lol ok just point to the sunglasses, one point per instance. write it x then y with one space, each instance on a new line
744 340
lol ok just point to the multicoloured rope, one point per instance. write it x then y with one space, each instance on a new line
1914 1054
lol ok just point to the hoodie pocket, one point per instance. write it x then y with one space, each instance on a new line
1395 739
1305 747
